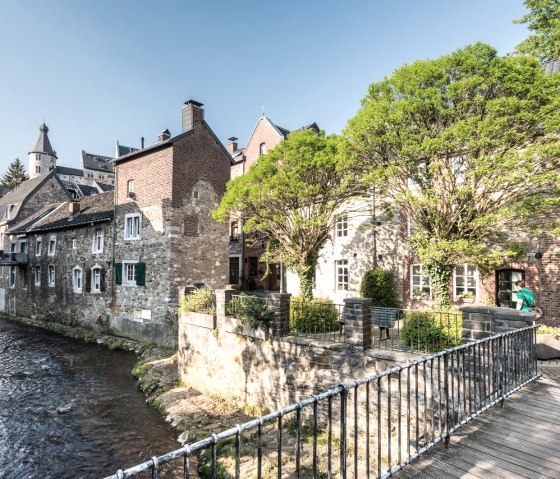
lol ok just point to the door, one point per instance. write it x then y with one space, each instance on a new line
506 291
234 270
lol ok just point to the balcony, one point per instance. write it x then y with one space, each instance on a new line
13 259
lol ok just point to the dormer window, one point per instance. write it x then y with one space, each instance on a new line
262 149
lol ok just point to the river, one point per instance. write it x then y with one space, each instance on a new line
70 409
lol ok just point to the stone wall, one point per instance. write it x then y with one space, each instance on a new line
483 321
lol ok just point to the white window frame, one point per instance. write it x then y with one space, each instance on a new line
52 246
77 279
417 291
463 271
98 241
95 288
12 277
74 244
342 226
129 187
136 233
51 275
126 270
38 245
342 275
37 275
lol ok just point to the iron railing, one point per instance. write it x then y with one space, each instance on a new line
415 330
369 428
321 320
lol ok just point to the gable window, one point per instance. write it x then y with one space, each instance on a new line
132 224
38 246
342 226
77 279
51 275
465 281
37 276
419 282
342 274
262 149
96 279
97 246
12 276
52 246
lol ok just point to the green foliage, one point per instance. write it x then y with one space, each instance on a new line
379 285
15 175
467 147
200 300
315 316
544 20
433 330
549 330
251 311
292 196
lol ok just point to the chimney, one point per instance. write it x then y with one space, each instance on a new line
232 147
192 113
73 208
164 136
142 142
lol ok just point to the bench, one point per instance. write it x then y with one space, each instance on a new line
384 319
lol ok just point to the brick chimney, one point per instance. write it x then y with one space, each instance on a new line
232 147
73 208
164 136
192 113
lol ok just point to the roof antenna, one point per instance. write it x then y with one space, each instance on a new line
263 111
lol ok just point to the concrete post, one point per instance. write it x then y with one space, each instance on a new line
280 302
357 322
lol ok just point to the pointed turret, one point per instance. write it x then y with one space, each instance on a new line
42 158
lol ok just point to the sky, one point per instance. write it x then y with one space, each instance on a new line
98 71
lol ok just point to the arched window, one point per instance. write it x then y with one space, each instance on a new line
96 279
262 149
77 279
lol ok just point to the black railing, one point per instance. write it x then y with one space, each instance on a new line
317 319
369 428
415 330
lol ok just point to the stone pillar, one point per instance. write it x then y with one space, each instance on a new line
484 321
357 322
223 297
280 302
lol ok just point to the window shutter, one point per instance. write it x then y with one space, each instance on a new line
102 274
118 273
140 274
88 280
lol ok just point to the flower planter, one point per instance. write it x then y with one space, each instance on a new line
202 320
547 347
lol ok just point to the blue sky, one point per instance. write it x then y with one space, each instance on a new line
106 70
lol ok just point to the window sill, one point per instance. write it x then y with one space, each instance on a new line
77 291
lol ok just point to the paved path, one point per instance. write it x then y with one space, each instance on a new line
522 440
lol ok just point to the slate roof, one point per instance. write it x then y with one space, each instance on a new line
43 144
23 226
93 209
553 66
97 162
124 150
89 190
105 187
65 170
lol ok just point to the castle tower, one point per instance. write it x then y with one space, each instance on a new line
42 158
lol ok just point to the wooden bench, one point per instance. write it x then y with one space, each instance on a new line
384 319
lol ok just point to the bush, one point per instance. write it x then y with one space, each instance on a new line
379 285
251 311
200 300
433 330
549 330
315 316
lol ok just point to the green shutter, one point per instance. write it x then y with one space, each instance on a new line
140 274
88 280
118 273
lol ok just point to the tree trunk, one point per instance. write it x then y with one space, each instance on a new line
306 275
440 277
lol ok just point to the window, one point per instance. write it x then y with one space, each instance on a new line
51 275
13 247
38 169
262 149
24 280
74 243
253 265
37 276
38 246
410 228
23 246
38 157
130 189
96 279
97 246
132 224
129 273
465 282
234 231
342 226
419 283
12 276
76 279
52 246
506 291
342 278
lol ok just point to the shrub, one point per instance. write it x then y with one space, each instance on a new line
315 316
433 330
379 285
251 311
549 330
200 300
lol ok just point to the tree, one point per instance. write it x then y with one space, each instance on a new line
543 19
466 147
15 175
293 195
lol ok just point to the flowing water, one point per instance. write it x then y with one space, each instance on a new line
70 409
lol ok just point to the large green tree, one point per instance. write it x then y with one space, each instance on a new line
15 175
293 195
544 20
466 146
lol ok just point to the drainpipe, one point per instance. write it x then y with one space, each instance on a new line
115 199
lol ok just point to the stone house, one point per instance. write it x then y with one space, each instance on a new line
165 238
67 276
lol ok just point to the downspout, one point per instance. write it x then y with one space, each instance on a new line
114 235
